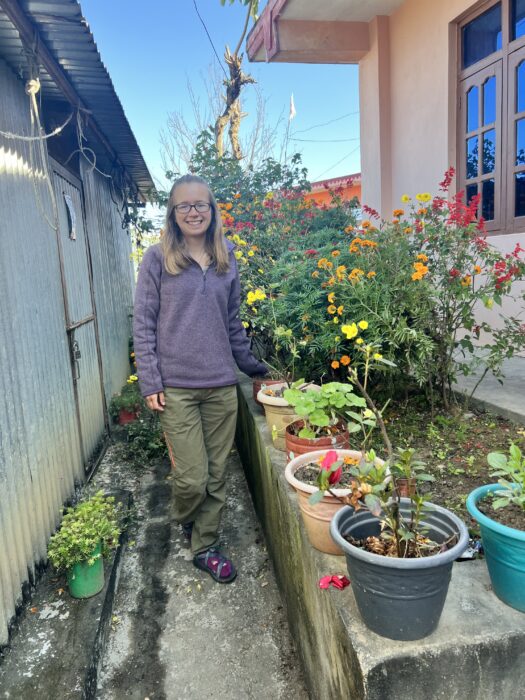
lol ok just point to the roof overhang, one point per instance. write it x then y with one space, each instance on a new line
309 31
72 74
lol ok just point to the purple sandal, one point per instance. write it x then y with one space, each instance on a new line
219 567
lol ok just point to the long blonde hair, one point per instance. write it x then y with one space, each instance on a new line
176 258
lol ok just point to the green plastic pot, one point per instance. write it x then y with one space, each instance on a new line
504 552
85 581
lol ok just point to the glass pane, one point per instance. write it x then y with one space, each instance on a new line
471 191
519 207
487 200
520 142
482 36
472 109
489 101
489 151
520 87
472 157
518 18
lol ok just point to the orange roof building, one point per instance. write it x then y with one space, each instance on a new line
348 187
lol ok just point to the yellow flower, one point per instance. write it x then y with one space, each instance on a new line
259 294
335 364
363 325
477 269
378 356
245 324
371 274
489 303
405 198
269 195
340 309
261 271
251 253
335 319
408 229
424 197
331 297
132 379
465 282
238 254
315 273
359 341
345 360
331 309
422 257
337 338
336 253
350 331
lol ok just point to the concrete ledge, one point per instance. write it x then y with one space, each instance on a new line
477 652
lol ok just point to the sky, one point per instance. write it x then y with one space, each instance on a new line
152 50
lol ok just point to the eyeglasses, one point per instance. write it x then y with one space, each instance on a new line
201 207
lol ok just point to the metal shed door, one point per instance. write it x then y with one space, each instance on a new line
79 311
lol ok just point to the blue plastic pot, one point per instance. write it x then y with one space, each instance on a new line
504 552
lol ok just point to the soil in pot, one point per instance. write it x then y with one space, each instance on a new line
511 515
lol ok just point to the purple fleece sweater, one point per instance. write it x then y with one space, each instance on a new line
187 330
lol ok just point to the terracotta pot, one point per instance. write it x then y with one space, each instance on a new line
299 446
406 487
258 384
125 417
278 413
317 517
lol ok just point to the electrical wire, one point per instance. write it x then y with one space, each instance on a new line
316 126
325 140
11 135
336 164
209 37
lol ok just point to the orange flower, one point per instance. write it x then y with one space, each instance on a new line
371 274
422 257
365 224
315 273
466 281
351 460
477 269
398 212
335 364
355 274
237 196
345 360
420 271
349 229
331 297
331 309
340 310
336 253
408 229
395 221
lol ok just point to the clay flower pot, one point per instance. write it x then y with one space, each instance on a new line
258 384
296 445
125 416
317 517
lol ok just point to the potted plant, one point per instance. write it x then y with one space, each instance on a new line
500 511
279 413
321 480
126 406
87 533
322 423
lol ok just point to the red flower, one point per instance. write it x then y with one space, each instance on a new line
311 252
445 184
454 272
517 250
371 212
329 458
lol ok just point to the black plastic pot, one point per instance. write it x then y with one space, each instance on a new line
399 598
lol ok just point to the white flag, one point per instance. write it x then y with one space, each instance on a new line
292 109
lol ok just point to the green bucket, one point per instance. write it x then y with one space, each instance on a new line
84 580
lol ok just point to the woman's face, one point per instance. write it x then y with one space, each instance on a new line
193 223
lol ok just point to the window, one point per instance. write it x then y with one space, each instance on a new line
491 149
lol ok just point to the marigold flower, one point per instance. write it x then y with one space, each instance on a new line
345 360
395 221
340 309
422 257
371 274
477 269
336 253
466 281
315 273
351 461
350 331
363 325
366 224
398 212
331 297
331 309
335 364
408 229
405 198
237 196
355 274
349 229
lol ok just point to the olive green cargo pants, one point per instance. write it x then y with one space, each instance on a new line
199 425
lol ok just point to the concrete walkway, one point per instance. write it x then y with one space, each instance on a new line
507 399
178 635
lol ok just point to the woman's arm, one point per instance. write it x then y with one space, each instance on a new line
145 316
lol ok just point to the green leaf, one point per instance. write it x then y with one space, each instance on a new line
497 460
316 497
373 504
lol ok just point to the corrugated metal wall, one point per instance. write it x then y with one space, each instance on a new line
40 455
113 278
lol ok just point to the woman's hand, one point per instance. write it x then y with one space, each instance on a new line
155 402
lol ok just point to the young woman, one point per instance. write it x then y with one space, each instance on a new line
187 339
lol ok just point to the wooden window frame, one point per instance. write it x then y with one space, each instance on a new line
502 62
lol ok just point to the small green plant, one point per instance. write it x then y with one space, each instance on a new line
323 409
145 439
129 399
511 470
83 527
